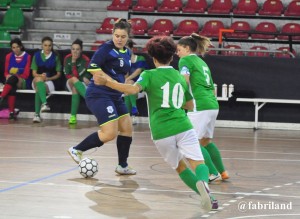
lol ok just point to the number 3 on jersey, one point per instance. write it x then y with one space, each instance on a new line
177 96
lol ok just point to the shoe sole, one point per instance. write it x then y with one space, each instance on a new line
72 157
205 198
125 173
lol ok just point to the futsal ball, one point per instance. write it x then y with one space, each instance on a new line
88 167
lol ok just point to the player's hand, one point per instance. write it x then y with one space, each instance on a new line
100 79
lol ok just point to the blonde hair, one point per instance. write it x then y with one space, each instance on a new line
196 43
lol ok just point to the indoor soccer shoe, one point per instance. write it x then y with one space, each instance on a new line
72 119
214 178
36 119
45 107
207 201
75 154
224 175
125 170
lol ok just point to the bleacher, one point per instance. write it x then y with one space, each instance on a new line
251 34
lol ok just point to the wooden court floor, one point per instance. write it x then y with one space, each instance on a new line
39 180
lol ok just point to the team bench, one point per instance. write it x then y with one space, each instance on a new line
259 103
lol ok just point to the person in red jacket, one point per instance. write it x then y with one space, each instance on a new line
17 70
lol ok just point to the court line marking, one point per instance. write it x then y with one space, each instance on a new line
36 180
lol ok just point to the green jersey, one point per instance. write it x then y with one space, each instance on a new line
167 91
201 83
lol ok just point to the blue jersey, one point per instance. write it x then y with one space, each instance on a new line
114 62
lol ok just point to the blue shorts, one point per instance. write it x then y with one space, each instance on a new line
106 108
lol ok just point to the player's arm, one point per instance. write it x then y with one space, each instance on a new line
101 79
189 105
136 73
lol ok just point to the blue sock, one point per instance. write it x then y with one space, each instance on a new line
89 142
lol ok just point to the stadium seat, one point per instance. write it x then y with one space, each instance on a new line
195 6
293 9
246 7
239 26
265 27
119 5
23 4
210 51
170 6
97 43
186 27
284 55
211 28
161 27
271 8
13 20
5 36
232 51
259 51
107 25
139 26
290 28
220 7
4 3
145 5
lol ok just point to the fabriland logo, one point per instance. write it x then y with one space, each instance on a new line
245 206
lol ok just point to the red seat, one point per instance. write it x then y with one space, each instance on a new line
211 28
170 6
290 28
293 9
186 27
265 27
232 51
258 51
145 5
195 6
119 5
247 7
139 26
107 25
284 55
220 7
210 51
271 7
239 26
96 45
161 27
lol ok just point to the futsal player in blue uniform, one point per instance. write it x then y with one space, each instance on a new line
113 59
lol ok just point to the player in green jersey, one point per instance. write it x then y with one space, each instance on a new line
167 95
205 112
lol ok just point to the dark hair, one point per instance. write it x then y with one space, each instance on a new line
19 42
196 43
161 48
47 38
78 42
130 44
122 24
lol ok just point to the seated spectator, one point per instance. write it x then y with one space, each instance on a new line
46 70
17 70
75 69
138 64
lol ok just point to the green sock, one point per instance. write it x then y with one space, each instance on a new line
128 103
75 104
189 178
202 172
41 90
133 100
215 156
37 103
80 88
208 162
